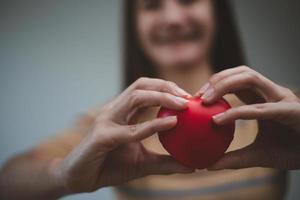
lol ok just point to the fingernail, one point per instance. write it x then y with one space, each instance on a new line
172 118
188 96
208 93
203 88
217 117
180 100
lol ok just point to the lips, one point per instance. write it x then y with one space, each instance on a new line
164 37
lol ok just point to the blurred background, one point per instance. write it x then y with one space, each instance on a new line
60 58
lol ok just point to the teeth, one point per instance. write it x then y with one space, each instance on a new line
165 37
180 38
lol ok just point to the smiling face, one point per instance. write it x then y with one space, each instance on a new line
175 33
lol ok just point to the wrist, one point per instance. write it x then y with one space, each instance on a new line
57 178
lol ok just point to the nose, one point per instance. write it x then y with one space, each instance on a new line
173 13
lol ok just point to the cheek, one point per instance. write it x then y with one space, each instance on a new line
144 24
204 16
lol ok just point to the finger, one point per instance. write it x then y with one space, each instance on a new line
239 82
123 111
140 99
144 98
242 158
141 131
254 111
164 165
282 112
159 85
221 75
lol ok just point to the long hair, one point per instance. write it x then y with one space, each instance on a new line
227 50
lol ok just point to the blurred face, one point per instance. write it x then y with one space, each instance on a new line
175 33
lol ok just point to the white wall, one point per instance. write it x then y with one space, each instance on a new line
58 58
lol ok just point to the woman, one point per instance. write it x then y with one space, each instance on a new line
186 42
181 41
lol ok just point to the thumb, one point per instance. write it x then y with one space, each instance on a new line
241 158
165 164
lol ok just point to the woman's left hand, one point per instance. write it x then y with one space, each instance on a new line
277 110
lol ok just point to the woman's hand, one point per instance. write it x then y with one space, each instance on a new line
277 110
111 153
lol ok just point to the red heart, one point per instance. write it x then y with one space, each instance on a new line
196 141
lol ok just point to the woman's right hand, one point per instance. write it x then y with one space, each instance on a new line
112 153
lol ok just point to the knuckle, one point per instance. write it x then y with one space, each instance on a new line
232 113
135 97
171 84
167 85
251 77
162 97
135 93
288 93
217 87
132 130
254 76
105 141
159 98
162 85
292 99
213 78
151 126
259 108
245 68
105 112
140 82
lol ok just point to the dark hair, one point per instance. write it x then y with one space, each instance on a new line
227 51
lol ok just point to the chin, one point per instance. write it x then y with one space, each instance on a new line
179 55
182 59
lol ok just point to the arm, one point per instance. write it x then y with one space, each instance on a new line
29 176
106 152
26 177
